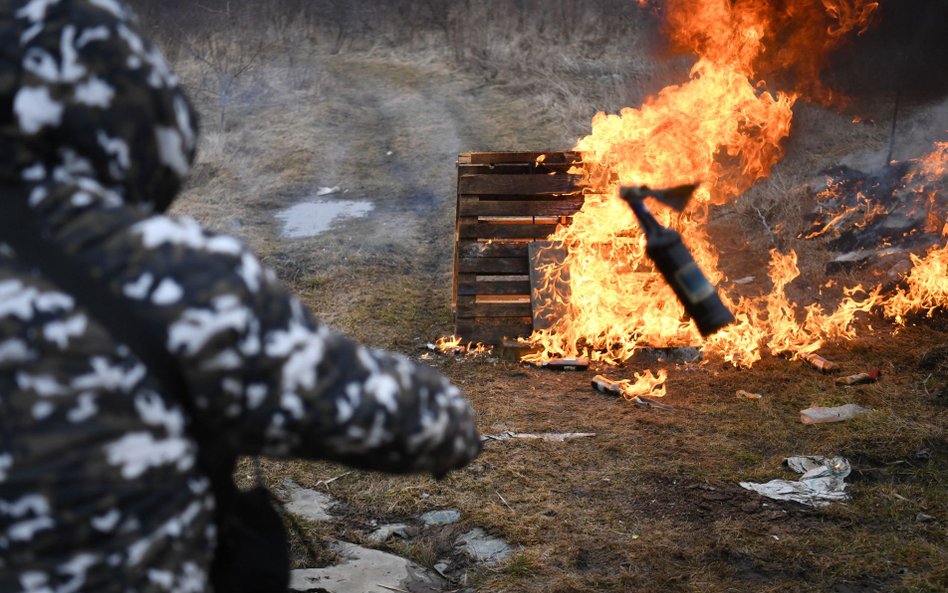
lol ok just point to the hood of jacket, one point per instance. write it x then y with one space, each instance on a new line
85 98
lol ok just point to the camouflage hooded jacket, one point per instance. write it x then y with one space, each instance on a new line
99 489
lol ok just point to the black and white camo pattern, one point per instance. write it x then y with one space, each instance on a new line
99 487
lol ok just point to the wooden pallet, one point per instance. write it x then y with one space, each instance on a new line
505 201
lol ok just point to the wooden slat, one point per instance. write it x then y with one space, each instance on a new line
493 331
493 265
468 307
516 184
485 158
490 287
471 229
491 255
478 206
469 248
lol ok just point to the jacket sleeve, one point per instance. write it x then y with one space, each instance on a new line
263 372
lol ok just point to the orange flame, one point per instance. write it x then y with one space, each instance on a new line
455 345
927 285
646 383
722 128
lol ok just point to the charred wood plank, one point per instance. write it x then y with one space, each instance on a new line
517 184
492 287
468 248
483 206
493 330
472 229
493 158
493 265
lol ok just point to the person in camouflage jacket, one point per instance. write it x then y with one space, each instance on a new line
99 486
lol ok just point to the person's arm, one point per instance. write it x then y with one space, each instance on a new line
263 372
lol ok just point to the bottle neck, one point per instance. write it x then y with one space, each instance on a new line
649 225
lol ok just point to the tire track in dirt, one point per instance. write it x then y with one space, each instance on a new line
399 150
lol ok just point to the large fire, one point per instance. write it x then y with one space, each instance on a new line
722 128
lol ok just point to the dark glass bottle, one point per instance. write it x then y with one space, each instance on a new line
665 248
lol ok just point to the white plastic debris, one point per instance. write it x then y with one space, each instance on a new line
546 436
817 415
325 191
821 482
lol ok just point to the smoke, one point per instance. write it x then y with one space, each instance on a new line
906 51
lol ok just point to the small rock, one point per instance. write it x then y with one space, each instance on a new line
445 517
363 570
384 532
442 568
307 503
483 547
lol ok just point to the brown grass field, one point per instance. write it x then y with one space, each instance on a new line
651 503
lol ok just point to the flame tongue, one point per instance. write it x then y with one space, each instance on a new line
720 127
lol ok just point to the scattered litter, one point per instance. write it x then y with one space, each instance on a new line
558 437
818 415
566 364
819 363
325 191
331 480
860 378
484 548
821 482
748 395
445 517
744 280
645 384
389 153
923 518
647 402
606 385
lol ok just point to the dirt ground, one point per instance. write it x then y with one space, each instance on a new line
651 502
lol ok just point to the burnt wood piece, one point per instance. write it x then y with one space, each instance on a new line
519 206
516 185
505 200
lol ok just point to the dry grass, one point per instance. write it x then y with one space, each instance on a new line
651 503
